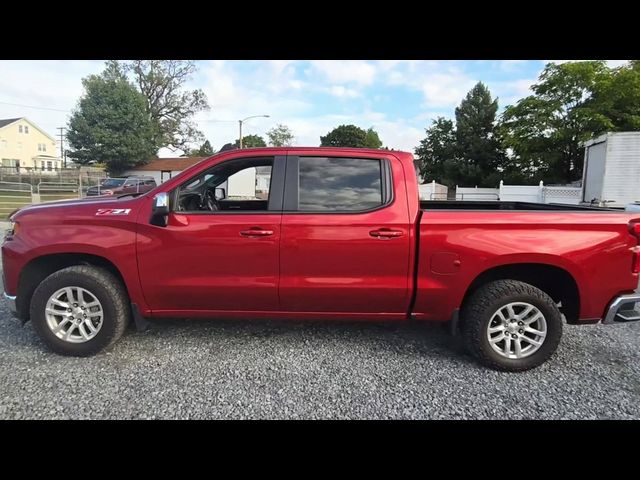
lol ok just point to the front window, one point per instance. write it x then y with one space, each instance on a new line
49 166
26 129
19 128
240 185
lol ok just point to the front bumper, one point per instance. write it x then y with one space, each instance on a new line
11 303
623 309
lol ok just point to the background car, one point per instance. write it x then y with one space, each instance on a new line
119 186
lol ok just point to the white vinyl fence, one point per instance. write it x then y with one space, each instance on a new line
475 193
540 193
570 195
433 191
522 193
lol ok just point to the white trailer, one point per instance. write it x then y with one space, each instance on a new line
611 174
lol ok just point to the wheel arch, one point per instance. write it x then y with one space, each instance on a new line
556 281
39 268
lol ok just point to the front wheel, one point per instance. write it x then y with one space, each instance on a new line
511 326
80 310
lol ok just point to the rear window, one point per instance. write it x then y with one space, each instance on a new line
339 184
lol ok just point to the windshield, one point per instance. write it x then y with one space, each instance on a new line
199 181
113 182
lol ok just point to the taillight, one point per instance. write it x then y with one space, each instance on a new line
636 260
634 227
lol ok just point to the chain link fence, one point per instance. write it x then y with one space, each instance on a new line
31 186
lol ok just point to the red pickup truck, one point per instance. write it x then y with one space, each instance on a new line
338 233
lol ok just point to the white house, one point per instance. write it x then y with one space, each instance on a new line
25 147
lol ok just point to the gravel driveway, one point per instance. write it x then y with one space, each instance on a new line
231 369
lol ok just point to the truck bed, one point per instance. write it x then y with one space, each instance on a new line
498 205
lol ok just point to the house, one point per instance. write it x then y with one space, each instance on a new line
162 169
611 173
25 147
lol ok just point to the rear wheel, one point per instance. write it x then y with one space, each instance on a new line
80 310
510 325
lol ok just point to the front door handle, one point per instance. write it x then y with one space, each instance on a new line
256 232
386 233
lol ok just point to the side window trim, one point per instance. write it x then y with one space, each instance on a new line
292 186
276 190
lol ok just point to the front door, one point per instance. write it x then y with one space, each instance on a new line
212 256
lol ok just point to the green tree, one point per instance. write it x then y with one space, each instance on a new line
205 150
110 124
170 106
437 153
371 139
250 141
478 148
543 131
280 136
351 136
615 102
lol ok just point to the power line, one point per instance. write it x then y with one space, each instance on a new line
68 111
38 108
219 121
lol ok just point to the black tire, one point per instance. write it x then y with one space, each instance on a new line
105 287
485 302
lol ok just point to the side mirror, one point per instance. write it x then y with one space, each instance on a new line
220 193
160 209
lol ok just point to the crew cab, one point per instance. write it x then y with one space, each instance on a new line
339 234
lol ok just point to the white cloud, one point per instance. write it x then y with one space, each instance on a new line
343 92
509 92
441 90
50 84
442 84
344 71
511 65
617 63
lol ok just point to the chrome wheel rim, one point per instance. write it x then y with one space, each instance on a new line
517 330
74 314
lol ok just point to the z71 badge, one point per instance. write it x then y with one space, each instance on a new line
113 211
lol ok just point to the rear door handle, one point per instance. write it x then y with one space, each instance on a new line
386 233
256 232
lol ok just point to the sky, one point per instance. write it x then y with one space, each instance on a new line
399 99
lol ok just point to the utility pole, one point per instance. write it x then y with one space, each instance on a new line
62 155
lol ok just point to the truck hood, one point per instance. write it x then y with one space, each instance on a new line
84 206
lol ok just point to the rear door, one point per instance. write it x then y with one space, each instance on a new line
345 246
